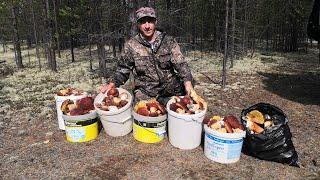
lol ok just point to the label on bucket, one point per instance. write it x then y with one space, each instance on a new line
222 150
147 134
76 134
150 125
80 123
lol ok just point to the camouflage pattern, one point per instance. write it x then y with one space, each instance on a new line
145 12
158 69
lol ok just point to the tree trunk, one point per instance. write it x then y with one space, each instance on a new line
16 39
268 37
245 38
90 54
114 52
233 32
319 50
102 58
56 28
72 48
50 40
224 73
35 34
28 36
71 36
306 44
168 7
29 57
151 3
121 42
193 30
132 6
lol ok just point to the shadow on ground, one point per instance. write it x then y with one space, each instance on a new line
294 76
302 88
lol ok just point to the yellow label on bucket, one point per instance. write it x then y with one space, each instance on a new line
148 135
82 133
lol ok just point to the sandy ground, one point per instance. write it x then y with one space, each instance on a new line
32 146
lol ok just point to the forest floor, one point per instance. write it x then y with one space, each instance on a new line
33 147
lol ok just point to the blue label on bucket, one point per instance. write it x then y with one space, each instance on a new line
222 149
224 140
76 134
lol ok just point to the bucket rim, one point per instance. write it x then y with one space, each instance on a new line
117 122
148 118
100 97
91 115
72 96
212 132
190 117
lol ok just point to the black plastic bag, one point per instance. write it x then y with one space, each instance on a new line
274 144
313 27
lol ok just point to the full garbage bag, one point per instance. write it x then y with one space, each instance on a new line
274 143
313 26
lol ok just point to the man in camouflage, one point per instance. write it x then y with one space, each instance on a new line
155 60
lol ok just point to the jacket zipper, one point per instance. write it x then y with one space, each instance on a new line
156 67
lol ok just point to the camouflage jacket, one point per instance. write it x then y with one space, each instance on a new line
158 69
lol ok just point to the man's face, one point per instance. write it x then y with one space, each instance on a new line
147 26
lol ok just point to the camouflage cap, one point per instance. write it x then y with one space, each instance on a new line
145 12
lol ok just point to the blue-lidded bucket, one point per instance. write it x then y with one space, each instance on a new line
223 147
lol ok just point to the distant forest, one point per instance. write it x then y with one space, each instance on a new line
235 28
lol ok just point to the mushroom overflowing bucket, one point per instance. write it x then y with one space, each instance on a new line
223 139
114 109
150 120
185 116
63 95
80 118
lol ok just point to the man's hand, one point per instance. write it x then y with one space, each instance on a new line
104 88
188 87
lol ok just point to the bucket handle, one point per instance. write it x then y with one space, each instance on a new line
156 133
121 122
192 120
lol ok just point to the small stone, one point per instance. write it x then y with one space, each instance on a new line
45 111
22 133
30 117
29 139
49 133
2 124
314 162
46 141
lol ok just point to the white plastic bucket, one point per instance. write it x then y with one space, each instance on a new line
149 129
223 147
59 101
184 130
119 122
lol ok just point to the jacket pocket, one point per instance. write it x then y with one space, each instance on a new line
142 64
165 61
